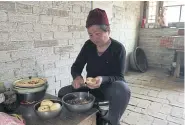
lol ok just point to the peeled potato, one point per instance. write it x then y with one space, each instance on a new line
55 106
91 80
43 108
46 103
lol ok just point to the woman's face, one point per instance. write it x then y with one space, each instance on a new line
97 35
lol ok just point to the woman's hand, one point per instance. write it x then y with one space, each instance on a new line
77 82
97 84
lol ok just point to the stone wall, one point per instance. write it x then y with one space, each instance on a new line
149 40
44 38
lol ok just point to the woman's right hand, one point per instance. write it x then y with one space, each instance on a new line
77 82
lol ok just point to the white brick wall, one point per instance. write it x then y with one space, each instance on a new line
47 4
44 38
4 36
19 36
4 56
6 26
3 16
62 35
34 36
28 63
25 27
45 19
47 35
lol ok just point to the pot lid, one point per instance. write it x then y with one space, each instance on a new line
30 82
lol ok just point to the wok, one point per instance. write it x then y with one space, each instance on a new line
82 107
80 96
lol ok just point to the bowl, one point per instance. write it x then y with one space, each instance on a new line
78 107
48 114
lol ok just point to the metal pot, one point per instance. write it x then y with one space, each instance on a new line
78 107
30 94
31 97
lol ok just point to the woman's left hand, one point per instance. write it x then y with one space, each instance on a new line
98 83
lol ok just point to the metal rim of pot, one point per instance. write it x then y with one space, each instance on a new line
31 90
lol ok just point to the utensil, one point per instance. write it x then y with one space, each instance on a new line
78 107
48 114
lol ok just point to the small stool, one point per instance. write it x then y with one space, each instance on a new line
102 115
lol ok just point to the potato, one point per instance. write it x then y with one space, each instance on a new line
91 81
43 108
46 103
55 106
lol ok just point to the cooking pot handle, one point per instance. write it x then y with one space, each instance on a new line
104 103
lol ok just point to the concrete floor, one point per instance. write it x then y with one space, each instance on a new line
156 99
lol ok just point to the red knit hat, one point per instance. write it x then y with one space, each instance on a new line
97 17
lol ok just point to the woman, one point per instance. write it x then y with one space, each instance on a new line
105 59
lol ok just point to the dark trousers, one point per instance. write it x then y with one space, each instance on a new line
117 93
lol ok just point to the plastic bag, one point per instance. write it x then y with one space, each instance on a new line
6 119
